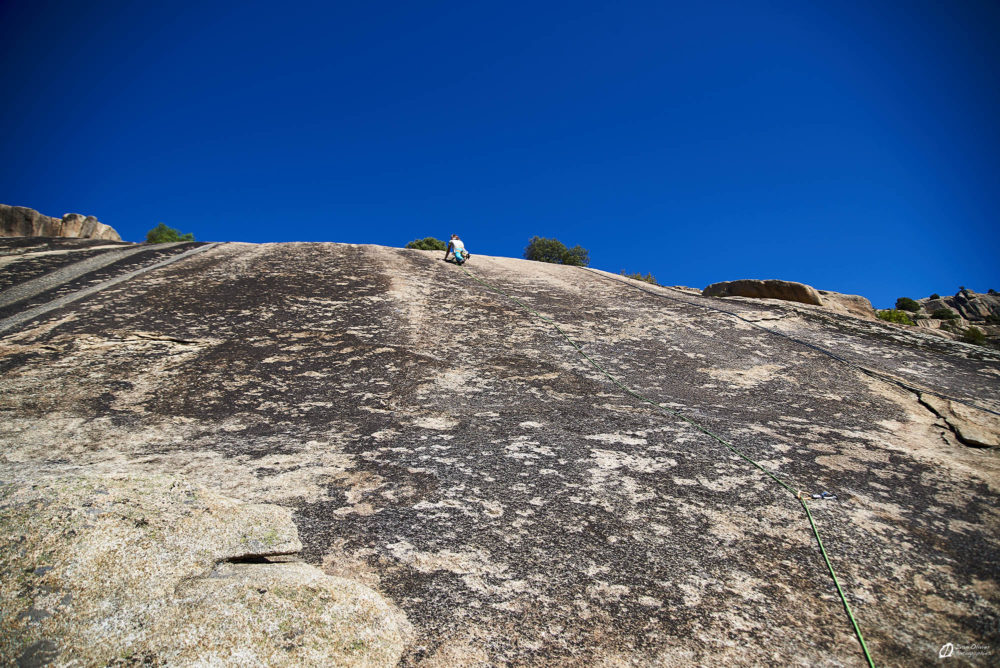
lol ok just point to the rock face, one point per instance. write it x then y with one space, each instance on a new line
974 307
791 291
19 221
972 310
766 289
105 569
855 305
971 427
968 305
454 453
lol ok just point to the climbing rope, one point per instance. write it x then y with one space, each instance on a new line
739 453
878 375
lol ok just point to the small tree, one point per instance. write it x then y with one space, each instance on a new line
907 304
552 250
935 296
944 314
161 234
428 243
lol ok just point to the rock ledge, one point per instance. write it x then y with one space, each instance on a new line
20 221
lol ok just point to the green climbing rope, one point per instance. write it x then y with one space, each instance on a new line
786 485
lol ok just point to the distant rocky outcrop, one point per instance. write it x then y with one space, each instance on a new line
968 305
793 292
20 221
966 308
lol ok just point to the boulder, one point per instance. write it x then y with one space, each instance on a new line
855 305
931 305
791 291
20 221
766 289
972 306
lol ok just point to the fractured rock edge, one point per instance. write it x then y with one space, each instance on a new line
156 570
971 427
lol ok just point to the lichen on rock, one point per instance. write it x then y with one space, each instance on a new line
441 444
99 569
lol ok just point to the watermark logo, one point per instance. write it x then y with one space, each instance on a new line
972 649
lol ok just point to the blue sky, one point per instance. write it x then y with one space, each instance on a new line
851 146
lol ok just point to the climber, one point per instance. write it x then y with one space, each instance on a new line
457 250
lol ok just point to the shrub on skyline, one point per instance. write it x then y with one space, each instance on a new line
552 250
428 243
907 304
161 234
648 278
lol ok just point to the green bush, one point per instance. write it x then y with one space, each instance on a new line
552 250
895 315
648 278
161 234
944 314
974 335
993 319
907 304
428 243
935 296
991 291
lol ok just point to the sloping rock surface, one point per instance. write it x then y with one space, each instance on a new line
20 221
447 449
104 569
